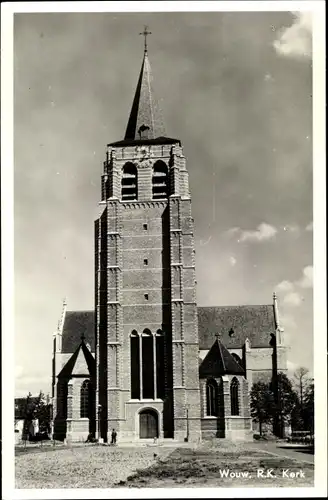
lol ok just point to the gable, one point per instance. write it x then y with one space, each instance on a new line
80 365
218 362
81 362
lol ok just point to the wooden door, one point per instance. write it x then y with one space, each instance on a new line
148 424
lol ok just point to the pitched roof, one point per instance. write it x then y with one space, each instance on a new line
77 324
80 363
219 361
145 110
253 322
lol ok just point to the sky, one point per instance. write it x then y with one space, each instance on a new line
235 88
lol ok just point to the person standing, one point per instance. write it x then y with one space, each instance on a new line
114 435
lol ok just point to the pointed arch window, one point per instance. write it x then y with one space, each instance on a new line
211 398
147 365
234 396
84 402
160 186
135 365
129 182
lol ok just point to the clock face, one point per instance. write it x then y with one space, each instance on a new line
142 150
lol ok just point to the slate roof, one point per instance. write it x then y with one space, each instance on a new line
145 109
77 324
256 323
219 361
69 366
253 322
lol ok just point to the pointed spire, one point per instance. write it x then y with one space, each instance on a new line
145 121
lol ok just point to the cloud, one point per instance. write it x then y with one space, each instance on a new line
296 40
285 286
288 321
307 279
232 232
291 229
309 227
232 261
291 367
263 232
293 299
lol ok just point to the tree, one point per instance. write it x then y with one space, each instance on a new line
37 408
302 382
42 413
308 409
287 401
275 402
261 403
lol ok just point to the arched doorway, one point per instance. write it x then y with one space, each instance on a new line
148 424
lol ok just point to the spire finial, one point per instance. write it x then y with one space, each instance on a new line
218 336
145 33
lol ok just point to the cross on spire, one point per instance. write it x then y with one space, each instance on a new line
218 336
145 33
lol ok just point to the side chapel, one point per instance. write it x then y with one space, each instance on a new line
147 361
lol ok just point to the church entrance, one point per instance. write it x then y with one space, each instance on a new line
148 421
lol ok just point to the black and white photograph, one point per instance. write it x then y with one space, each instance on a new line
163 225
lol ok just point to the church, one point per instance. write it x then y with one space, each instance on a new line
146 361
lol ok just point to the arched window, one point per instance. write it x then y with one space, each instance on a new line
147 365
211 398
129 182
160 181
234 396
84 408
160 365
135 365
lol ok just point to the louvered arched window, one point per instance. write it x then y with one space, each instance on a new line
234 396
85 394
211 398
129 182
160 188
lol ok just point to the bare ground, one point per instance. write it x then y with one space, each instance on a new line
211 468
158 467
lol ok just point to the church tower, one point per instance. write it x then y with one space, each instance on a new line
145 289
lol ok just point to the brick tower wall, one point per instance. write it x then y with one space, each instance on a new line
145 278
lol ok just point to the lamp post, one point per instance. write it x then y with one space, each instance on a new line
278 423
99 411
187 414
